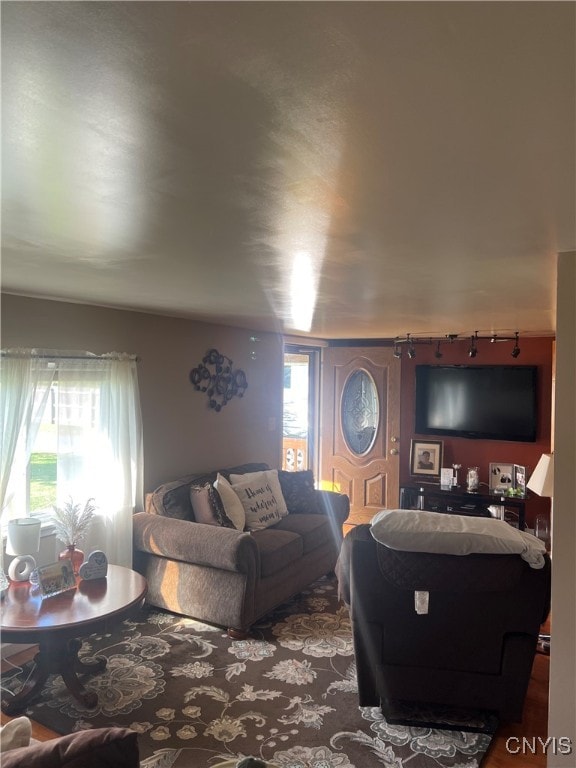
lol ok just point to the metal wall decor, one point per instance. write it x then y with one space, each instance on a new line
216 376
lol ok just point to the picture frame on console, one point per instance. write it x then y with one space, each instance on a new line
520 479
426 457
501 477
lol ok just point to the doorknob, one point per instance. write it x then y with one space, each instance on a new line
393 439
394 452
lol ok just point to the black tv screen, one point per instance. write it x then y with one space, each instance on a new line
489 402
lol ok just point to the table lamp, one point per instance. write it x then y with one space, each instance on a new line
542 479
542 483
23 541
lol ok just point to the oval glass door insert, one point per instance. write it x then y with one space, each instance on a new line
360 411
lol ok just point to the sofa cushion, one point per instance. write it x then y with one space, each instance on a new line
278 549
94 748
208 507
16 733
232 504
299 492
314 530
260 501
269 476
173 499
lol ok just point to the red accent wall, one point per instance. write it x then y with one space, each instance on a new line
467 452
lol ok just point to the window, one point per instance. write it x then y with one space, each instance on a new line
67 415
71 427
299 415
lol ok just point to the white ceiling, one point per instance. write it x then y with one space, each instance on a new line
347 169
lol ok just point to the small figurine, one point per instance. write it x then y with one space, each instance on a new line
95 567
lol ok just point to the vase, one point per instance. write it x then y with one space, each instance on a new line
472 480
75 555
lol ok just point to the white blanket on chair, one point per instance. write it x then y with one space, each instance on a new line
416 531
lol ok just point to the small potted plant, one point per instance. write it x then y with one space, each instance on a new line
72 523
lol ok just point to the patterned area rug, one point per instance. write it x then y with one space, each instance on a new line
286 695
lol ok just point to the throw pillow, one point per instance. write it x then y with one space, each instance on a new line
232 504
16 733
415 531
299 492
207 506
260 503
269 476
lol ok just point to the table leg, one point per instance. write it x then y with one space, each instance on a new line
52 658
71 666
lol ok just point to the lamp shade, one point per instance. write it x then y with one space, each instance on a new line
542 479
23 536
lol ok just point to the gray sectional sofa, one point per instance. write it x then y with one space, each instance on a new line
226 576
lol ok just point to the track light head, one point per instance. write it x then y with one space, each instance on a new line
473 351
397 351
516 351
411 347
438 354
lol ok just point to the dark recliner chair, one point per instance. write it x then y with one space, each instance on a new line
474 648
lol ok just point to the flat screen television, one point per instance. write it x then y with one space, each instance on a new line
487 402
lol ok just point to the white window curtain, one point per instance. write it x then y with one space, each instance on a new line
99 440
25 382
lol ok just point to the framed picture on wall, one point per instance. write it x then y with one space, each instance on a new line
501 477
426 457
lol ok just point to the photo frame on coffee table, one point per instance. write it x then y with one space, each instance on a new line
56 578
501 477
426 457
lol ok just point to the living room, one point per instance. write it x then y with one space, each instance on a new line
172 411
181 434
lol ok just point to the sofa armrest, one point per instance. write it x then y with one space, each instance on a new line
211 545
335 505
113 747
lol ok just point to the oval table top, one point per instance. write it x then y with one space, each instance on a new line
25 611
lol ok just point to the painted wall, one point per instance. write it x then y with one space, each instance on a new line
467 452
182 434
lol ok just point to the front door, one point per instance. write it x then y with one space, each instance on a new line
360 427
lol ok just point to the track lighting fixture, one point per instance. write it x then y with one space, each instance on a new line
450 338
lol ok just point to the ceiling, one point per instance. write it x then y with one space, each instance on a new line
342 170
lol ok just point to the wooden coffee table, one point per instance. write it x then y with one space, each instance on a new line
56 623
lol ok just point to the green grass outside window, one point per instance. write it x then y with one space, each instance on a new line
42 480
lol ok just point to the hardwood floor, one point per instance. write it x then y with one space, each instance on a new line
504 751
357 518
505 748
